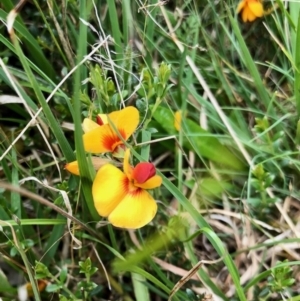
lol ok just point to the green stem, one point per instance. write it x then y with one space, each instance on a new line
157 103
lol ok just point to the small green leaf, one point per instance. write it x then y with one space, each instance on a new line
13 252
298 133
287 282
63 274
85 266
41 271
86 285
258 171
51 288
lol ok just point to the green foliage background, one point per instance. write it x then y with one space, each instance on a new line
230 176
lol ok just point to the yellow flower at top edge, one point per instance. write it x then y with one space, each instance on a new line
103 136
250 10
123 196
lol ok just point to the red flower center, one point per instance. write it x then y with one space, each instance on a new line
99 120
143 172
111 140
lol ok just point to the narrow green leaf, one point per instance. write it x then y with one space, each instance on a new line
150 28
293 18
116 33
141 291
150 278
15 197
34 51
297 70
5 286
250 65
52 122
145 151
33 221
53 242
85 168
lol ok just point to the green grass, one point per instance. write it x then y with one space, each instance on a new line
229 198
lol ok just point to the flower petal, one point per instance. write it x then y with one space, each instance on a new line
143 171
101 140
152 183
245 13
177 120
135 210
41 286
102 119
72 167
256 8
109 188
125 120
241 6
89 125
248 15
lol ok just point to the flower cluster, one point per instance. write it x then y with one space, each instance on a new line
121 196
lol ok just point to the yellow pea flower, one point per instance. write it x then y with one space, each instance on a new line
250 10
177 120
123 196
102 137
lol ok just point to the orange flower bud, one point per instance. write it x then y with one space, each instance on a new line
143 172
